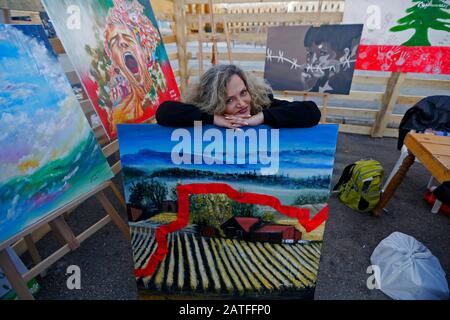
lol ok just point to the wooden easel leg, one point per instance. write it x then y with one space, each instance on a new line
118 195
34 253
57 235
325 108
60 226
14 277
395 182
113 214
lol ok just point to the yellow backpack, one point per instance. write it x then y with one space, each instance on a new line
360 185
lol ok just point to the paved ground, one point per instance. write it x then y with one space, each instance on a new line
350 237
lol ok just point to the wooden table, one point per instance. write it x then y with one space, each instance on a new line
432 151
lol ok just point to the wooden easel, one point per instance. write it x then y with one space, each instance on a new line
63 234
214 54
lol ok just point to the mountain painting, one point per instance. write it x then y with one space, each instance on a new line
48 153
218 213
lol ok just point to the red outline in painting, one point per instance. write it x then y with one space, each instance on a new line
302 214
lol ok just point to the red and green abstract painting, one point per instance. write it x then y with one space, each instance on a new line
217 213
402 35
117 50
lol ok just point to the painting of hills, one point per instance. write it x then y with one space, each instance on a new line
218 213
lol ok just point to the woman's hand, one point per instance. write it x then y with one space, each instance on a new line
244 120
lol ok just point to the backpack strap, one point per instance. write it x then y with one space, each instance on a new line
346 175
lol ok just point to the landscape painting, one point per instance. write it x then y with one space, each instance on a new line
117 50
220 213
309 58
48 153
402 35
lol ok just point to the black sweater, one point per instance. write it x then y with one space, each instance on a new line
280 114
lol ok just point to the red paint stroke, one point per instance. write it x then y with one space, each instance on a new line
302 214
434 60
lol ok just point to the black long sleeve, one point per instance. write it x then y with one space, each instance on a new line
280 114
179 114
295 114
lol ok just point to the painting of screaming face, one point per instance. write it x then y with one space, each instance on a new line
119 54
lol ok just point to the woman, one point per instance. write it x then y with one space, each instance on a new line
228 97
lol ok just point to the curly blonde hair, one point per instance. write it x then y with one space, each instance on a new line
210 94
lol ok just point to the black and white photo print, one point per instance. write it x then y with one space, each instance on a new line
308 58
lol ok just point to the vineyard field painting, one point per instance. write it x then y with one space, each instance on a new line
231 229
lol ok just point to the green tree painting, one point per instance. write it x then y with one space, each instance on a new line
424 15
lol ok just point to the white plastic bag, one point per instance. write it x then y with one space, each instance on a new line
408 270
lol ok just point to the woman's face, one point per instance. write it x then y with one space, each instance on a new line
238 99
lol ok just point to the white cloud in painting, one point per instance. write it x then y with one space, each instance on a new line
35 131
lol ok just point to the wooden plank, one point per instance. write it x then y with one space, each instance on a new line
33 251
162 5
116 168
111 148
278 17
60 225
373 80
352 112
354 95
20 246
87 107
239 56
409 100
14 277
241 37
22 5
169 39
388 103
5 16
200 46
73 78
349 128
427 83
228 40
119 195
106 204
173 56
57 46
438 166
163 9
396 118
431 139
180 31
215 59
324 109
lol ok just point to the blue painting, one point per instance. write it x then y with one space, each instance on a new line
225 212
48 153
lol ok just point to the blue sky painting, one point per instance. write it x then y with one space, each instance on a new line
48 153
302 154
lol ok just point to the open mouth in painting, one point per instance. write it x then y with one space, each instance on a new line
131 63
